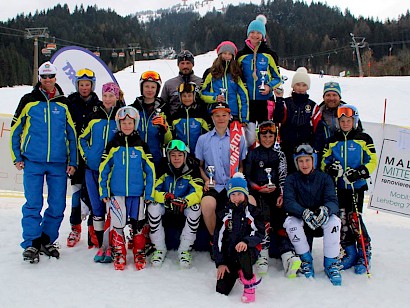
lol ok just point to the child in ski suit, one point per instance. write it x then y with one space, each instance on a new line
177 192
126 174
92 142
270 197
44 145
256 57
80 104
350 157
190 119
310 200
224 84
298 116
237 240
153 127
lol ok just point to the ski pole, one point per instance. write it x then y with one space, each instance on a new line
361 236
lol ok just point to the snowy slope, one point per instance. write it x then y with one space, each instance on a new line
76 281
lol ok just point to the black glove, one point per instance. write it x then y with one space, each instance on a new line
310 219
323 216
335 170
179 205
353 175
168 197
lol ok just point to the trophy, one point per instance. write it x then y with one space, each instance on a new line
211 171
262 86
157 112
268 171
223 90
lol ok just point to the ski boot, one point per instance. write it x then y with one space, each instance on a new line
349 257
158 258
74 236
248 295
306 267
50 250
262 262
100 255
31 254
92 238
360 266
130 243
119 251
185 259
139 251
291 264
332 270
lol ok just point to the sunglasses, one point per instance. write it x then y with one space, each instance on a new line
177 145
345 111
124 112
304 149
150 76
186 87
49 76
85 72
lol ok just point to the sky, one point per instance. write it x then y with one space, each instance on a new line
380 9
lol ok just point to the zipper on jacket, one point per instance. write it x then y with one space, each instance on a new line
48 132
126 166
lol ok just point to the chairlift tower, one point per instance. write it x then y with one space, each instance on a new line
35 33
358 42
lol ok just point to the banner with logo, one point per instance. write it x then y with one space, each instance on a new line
73 58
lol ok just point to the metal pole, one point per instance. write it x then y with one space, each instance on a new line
35 66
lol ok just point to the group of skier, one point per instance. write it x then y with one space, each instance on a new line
266 173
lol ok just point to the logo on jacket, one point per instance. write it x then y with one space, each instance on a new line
261 164
308 109
133 154
193 124
55 110
352 147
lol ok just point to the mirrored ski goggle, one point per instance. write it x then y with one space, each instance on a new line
267 127
186 87
177 145
49 76
150 76
304 149
85 72
124 112
345 111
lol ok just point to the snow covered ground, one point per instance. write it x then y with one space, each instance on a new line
76 281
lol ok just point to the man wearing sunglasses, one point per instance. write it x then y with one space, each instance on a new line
169 94
43 145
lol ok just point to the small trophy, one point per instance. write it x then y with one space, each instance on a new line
223 90
268 171
211 172
262 86
157 112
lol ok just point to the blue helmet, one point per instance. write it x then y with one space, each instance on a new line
85 74
349 111
304 150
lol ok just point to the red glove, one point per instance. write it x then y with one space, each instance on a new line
179 205
160 121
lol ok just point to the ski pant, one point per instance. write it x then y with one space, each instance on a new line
331 236
242 261
188 235
350 221
33 180
274 218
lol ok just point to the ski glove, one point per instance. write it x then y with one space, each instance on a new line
168 197
323 216
353 175
160 121
335 170
179 205
310 219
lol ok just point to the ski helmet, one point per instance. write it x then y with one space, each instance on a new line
151 76
85 74
189 87
130 112
304 150
185 55
179 146
349 111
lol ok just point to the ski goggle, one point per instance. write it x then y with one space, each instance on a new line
346 111
177 145
267 127
49 76
186 87
85 72
124 112
150 76
304 149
